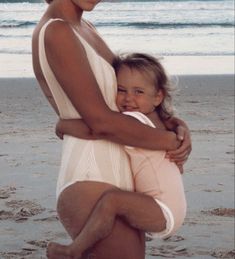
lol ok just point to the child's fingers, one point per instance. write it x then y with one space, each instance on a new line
59 134
58 131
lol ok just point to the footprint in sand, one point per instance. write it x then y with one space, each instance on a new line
225 212
6 215
223 254
39 243
21 210
168 251
175 238
13 255
50 218
6 192
34 245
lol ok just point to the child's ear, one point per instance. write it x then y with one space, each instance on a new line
158 98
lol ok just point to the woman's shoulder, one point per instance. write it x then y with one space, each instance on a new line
57 32
54 26
50 28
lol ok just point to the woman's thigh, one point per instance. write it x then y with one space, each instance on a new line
74 206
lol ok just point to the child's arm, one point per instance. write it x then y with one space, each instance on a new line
74 127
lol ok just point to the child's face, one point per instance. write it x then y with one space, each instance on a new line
136 91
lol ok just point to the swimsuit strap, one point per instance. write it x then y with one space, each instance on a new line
63 103
141 117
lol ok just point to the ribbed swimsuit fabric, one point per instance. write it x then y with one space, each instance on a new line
87 160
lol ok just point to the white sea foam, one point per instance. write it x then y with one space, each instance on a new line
163 28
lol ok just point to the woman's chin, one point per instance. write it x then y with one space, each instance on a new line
90 5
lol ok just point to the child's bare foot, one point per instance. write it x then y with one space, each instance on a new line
57 251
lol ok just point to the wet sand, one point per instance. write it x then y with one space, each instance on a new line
30 158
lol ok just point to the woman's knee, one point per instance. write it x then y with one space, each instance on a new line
108 202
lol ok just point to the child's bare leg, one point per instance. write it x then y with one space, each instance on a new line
139 210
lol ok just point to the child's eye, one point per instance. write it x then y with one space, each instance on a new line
121 90
139 91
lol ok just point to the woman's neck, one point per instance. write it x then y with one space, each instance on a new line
66 10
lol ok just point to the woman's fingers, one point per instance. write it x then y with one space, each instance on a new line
184 149
180 166
181 169
180 133
180 155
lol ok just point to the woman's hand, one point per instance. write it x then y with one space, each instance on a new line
180 155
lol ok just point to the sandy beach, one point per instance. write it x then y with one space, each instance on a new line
30 158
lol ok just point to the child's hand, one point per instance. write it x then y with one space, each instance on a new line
74 127
58 129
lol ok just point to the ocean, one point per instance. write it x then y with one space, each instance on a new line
163 28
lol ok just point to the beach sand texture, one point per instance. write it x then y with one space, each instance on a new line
30 157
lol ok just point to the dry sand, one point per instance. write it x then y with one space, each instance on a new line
29 162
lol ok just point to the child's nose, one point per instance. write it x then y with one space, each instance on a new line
128 96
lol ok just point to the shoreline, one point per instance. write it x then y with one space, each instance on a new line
30 158
16 65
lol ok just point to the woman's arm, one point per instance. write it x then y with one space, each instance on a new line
76 128
68 60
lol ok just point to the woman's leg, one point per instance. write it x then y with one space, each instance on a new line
138 210
74 207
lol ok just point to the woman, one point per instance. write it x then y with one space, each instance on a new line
73 67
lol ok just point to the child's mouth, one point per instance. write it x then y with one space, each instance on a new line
129 108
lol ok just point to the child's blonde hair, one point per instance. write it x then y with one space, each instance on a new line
153 68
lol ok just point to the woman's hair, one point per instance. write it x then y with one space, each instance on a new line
153 68
48 1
